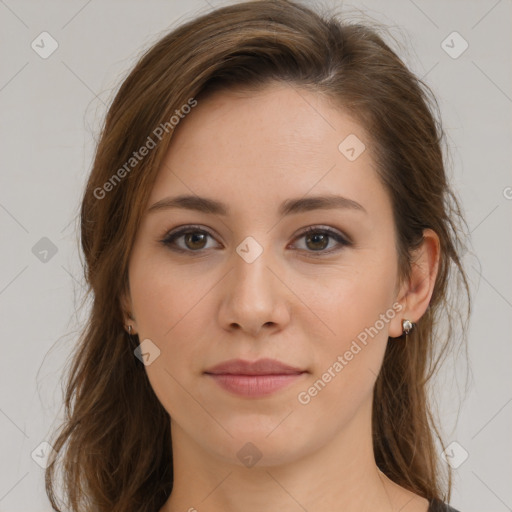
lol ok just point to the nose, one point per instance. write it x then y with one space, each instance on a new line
254 296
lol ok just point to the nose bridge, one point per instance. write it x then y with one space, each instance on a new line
251 275
253 295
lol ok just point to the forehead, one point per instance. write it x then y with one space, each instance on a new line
276 116
277 142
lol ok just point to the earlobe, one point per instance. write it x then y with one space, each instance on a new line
415 294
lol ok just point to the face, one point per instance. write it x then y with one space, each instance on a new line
269 275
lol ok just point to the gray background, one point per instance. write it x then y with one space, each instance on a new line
51 114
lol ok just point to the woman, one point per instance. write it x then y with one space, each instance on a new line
269 236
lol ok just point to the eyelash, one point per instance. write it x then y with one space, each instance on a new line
170 239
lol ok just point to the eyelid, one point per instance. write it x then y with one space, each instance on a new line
179 231
326 229
341 240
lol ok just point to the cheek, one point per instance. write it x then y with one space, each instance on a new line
347 364
167 304
353 299
161 295
163 301
356 305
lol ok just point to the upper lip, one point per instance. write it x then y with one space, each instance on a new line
259 367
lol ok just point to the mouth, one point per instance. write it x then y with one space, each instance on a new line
254 379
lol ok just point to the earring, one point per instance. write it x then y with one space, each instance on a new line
407 326
129 329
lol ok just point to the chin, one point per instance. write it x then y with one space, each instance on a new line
264 446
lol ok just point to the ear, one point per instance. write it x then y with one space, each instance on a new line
415 294
126 308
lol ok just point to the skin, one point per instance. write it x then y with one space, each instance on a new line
293 303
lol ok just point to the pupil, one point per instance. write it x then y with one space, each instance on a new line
193 237
322 237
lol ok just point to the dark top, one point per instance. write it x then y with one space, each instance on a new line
439 506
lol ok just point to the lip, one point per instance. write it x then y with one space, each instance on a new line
254 379
259 367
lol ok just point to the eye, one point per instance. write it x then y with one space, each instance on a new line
194 239
317 240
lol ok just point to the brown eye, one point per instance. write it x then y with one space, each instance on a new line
195 240
318 239
191 239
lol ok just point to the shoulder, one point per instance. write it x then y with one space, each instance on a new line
439 506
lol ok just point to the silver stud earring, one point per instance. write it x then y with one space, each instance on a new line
407 326
129 329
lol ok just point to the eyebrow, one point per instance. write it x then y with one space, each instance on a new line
288 207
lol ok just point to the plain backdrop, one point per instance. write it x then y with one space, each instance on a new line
51 113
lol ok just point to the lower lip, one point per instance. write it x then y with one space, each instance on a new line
254 385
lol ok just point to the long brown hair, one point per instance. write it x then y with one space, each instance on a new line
114 445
